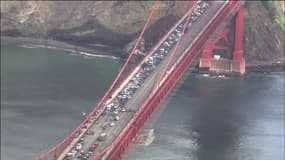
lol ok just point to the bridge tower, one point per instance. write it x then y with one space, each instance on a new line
218 64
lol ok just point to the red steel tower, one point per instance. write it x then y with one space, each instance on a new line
237 63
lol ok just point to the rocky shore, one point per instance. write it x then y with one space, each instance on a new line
276 67
109 28
117 53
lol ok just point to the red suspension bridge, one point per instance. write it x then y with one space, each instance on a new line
137 90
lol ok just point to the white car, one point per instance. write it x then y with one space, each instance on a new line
112 124
189 24
179 34
123 109
72 153
78 146
116 112
117 118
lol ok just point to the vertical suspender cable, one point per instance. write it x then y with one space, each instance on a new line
69 136
175 48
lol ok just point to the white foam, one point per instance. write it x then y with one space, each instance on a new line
28 46
70 50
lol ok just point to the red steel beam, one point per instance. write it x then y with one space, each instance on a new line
176 45
149 106
238 49
70 136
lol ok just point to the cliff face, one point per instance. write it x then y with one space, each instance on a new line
107 22
263 35
117 23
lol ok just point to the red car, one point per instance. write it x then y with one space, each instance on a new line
93 147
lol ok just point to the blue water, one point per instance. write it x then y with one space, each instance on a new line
239 118
44 91
43 95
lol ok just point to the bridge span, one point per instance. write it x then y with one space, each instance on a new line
122 113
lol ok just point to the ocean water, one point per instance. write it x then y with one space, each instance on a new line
45 90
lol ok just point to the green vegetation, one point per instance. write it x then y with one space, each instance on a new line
280 19
275 13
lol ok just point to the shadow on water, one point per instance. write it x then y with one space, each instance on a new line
237 118
217 121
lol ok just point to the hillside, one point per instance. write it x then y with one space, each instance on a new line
116 23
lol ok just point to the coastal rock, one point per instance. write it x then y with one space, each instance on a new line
118 23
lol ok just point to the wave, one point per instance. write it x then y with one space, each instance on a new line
70 50
213 76
37 46
221 77
91 54
28 46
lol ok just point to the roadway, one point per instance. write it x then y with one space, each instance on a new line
141 94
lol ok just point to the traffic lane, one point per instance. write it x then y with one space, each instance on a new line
196 28
139 97
186 40
145 89
133 104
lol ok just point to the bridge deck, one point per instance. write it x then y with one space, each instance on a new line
141 94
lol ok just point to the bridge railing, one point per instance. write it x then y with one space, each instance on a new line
133 125
130 127
55 151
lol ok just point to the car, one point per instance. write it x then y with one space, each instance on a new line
116 105
178 31
166 44
204 4
189 24
123 109
77 134
92 118
176 39
110 105
72 153
94 147
78 146
104 126
171 42
116 112
134 80
170 38
83 156
122 101
194 18
129 96
134 86
122 96
180 27
112 124
67 158
90 152
102 137
183 22
179 34
173 36
197 13
89 132
117 118
81 140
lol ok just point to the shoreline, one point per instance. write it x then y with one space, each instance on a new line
96 50
275 67
99 50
